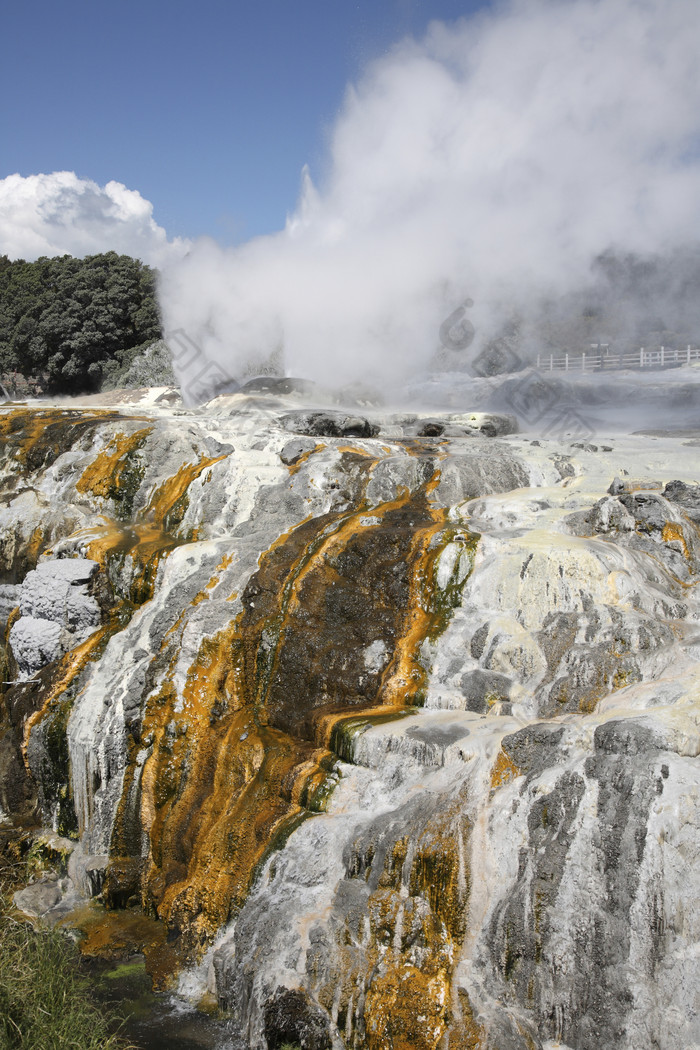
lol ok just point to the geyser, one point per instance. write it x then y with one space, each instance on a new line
495 158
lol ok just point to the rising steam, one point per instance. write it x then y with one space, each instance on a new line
495 159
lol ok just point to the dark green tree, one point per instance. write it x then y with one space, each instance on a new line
74 321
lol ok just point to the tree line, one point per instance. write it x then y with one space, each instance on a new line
76 325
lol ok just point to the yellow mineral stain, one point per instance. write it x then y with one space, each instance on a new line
11 619
34 546
284 537
465 1032
334 724
347 527
223 565
222 785
411 937
115 934
37 432
294 467
356 450
407 1009
503 771
215 791
405 677
167 495
145 543
68 668
104 476
673 532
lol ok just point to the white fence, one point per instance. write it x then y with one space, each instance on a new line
598 362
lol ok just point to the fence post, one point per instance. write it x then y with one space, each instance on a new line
687 360
538 360
551 362
566 366
662 355
641 357
583 361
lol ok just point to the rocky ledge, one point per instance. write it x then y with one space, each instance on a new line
389 721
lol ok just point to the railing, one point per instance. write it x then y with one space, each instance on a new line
664 357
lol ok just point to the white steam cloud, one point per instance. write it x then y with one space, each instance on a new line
493 159
62 214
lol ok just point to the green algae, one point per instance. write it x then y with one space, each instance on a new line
347 731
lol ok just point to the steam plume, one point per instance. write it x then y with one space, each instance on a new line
495 158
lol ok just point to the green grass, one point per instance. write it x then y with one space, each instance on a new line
45 1002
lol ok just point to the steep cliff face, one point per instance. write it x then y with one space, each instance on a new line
393 726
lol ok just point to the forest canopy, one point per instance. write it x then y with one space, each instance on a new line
76 323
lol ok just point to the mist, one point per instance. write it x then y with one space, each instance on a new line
495 160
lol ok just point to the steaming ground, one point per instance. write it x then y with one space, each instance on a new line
495 159
556 407
575 407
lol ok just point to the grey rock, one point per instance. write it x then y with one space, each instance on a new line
329 424
620 485
493 425
278 385
74 571
440 735
564 465
431 428
646 509
518 942
687 497
9 600
38 898
626 737
56 590
482 689
610 515
44 597
87 872
294 450
534 748
290 1017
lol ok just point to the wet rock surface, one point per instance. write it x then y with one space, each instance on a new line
390 722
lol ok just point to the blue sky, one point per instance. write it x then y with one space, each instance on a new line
209 109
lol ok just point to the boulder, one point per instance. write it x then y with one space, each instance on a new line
35 642
277 385
329 424
687 497
57 611
38 898
294 450
610 515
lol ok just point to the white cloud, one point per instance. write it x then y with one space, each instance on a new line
62 214
495 158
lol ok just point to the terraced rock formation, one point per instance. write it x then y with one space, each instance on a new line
390 725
